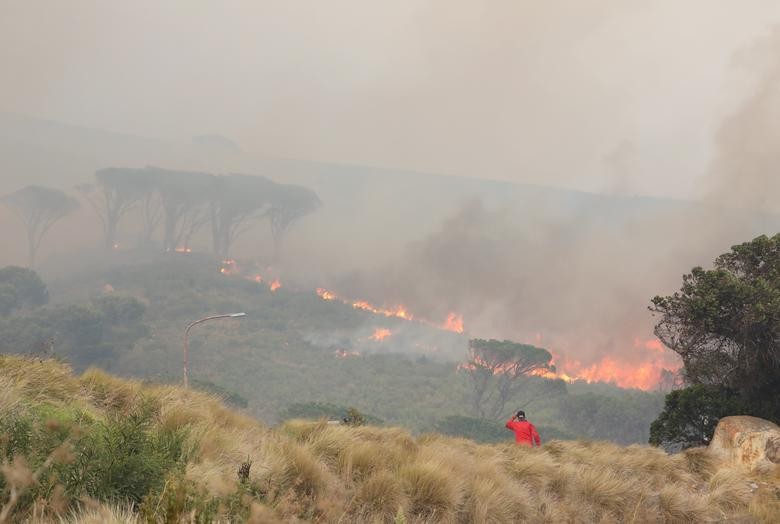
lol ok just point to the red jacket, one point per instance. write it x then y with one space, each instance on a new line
525 432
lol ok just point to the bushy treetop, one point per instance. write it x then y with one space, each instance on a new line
725 324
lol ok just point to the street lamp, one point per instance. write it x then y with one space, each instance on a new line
187 342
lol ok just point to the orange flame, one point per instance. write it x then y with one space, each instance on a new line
275 284
644 375
380 334
183 249
324 294
229 267
453 323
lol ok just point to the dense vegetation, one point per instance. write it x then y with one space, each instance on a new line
130 320
96 448
725 324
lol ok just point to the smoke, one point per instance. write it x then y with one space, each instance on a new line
517 90
614 96
744 171
573 277
377 336
576 275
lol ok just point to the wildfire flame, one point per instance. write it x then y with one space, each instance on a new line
324 294
183 249
453 323
645 375
229 267
380 334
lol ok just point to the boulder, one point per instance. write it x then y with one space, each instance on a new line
747 441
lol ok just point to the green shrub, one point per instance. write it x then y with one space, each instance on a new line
125 457
691 414
121 459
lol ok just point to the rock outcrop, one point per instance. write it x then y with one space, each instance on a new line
747 441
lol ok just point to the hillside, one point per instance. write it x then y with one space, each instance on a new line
95 448
294 348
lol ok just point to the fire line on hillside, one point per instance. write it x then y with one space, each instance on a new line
645 376
454 321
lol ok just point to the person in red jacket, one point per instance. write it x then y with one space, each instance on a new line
525 432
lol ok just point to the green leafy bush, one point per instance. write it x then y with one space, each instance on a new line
691 414
120 459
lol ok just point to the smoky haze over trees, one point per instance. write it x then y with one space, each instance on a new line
39 208
500 90
184 202
724 325
497 370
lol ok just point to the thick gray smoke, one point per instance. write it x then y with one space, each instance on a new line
576 279
611 96
517 90
745 169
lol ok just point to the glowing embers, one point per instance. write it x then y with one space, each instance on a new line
230 267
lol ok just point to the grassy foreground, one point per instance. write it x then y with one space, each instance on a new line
96 448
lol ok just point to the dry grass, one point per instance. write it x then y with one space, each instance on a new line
102 514
312 471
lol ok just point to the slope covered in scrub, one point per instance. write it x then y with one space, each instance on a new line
96 448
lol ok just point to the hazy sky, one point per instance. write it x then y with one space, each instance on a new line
603 95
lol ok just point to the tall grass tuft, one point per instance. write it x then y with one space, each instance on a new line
104 449
378 498
432 494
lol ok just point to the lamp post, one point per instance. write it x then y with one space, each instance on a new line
187 342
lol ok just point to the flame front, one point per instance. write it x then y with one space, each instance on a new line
324 294
275 284
453 323
380 334
644 375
